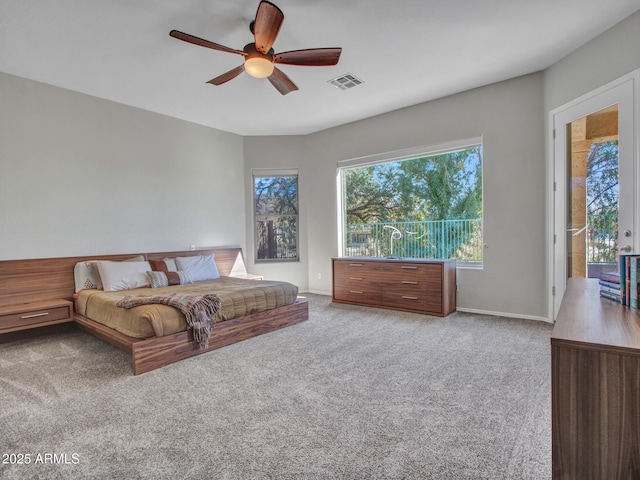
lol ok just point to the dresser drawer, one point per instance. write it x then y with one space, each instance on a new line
30 315
361 270
357 279
414 277
413 285
357 294
421 301
355 283
413 271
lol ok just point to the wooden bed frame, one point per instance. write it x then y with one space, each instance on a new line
33 280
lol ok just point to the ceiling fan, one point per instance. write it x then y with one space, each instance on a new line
259 58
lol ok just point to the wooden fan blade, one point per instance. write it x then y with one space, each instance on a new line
225 77
282 82
266 26
316 57
203 43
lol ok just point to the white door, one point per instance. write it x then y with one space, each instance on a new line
622 93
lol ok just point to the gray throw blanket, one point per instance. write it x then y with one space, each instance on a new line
199 310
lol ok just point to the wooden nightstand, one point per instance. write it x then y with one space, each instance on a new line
34 314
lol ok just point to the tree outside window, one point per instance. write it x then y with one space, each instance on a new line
276 216
602 203
423 207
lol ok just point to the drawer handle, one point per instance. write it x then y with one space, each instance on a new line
24 317
409 283
356 278
353 291
405 297
408 266
356 264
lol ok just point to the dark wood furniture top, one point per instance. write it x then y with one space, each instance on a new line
595 387
414 285
587 320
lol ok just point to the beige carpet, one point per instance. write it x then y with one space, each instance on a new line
354 393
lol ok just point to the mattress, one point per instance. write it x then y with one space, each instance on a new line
239 297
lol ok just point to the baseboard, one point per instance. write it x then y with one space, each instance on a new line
466 310
316 292
504 314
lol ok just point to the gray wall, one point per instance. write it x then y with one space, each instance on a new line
610 55
82 176
509 117
280 152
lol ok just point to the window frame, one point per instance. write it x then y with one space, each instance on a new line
400 155
275 173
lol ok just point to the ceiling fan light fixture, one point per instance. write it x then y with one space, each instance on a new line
258 67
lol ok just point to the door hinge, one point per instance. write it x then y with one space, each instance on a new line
555 186
553 291
554 133
555 238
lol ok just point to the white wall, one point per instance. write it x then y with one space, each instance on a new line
80 175
509 115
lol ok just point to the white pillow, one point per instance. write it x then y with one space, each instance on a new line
86 276
123 275
86 273
171 264
198 267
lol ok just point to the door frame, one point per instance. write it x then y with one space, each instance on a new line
624 92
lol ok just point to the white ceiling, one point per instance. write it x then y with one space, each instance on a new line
406 52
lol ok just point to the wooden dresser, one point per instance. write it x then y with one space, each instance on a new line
595 387
414 285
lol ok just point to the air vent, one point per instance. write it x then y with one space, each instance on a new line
346 81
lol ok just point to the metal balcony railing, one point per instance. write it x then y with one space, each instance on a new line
459 239
602 238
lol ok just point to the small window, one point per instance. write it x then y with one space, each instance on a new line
275 196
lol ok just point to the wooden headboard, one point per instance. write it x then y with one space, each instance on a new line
31 280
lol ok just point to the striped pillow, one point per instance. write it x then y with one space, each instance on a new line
166 265
164 279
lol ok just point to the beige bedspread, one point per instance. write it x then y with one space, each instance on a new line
239 297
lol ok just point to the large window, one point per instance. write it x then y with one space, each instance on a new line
419 203
276 215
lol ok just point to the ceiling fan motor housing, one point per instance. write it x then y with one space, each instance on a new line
256 63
